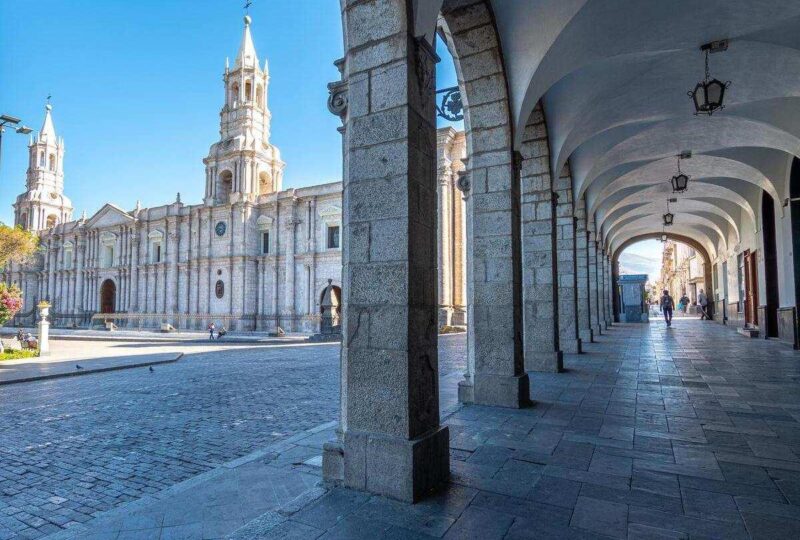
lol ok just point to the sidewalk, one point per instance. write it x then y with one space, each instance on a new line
36 369
150 336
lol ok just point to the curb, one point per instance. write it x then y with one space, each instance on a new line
90 371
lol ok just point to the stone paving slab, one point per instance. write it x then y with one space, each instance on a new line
612 449
11 373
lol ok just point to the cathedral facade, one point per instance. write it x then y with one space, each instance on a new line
251 256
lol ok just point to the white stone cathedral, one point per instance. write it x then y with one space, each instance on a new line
251 257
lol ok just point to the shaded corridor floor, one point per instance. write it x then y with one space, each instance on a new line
691 432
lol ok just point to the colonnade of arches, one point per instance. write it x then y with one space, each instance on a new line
575 119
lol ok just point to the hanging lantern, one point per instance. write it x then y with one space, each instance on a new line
709 94
663 237
679 183
669 217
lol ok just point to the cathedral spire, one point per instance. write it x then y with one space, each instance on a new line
48 130
247 56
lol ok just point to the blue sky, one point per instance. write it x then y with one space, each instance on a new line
137 91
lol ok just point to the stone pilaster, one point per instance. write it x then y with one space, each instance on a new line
594 282
539 262
569 338
391 440
582 270
609 290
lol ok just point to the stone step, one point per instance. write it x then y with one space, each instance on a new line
748 332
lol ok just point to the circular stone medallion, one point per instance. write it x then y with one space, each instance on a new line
220 228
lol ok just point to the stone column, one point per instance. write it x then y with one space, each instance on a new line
170 300
609 290
569 338
289 293
594 292
444 252
582 272
392 443
539 263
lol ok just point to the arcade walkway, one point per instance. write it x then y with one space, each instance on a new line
692 432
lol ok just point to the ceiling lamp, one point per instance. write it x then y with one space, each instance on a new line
680 181
663 237
709 94
669 217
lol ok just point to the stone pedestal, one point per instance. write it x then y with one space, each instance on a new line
44 329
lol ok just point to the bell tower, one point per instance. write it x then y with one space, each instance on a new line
44 205
243 165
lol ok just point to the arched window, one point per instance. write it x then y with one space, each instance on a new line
41 159
23 221
52 160
234 97
225 186
260 96
52 221
248 91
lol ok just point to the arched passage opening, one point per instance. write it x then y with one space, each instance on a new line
108 296
684 288
770 315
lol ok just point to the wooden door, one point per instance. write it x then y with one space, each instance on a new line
750 288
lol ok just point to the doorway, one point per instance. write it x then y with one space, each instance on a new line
750 289
108 295
770 264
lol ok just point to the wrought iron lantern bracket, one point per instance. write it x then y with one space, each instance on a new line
451 107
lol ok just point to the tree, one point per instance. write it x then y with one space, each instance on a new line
16 245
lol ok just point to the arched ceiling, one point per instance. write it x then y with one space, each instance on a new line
612 76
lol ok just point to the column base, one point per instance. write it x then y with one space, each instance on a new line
571 346
466 391
597 330
394 467
546 362
587 336
513 391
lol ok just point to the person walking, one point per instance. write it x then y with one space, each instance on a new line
667 305
211 329
702 303
685 303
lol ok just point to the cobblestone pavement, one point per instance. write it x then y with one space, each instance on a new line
72 448
691 432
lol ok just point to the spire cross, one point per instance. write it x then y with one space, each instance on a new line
247 7
49 95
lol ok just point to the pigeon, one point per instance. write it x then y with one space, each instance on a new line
78 366
151 369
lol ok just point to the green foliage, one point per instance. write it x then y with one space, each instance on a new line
16 355
16 245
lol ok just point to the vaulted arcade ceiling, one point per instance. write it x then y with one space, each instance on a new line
613 77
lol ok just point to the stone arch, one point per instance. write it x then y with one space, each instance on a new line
688 240
108 296
234 94
491 186
224 185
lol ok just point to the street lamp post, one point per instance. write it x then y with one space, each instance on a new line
11 121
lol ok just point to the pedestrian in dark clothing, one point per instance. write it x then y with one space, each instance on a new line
667 305
211 329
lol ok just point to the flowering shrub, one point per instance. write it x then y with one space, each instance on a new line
10 301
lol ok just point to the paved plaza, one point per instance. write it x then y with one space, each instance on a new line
75 447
